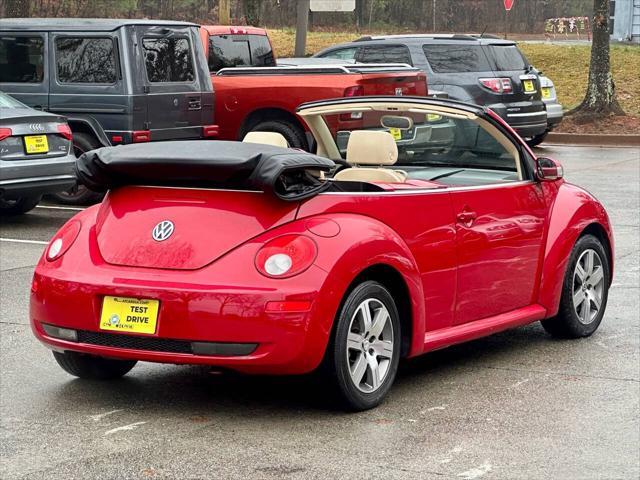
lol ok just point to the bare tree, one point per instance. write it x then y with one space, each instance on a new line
600 99
17 8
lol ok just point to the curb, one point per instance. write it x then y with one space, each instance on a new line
593 139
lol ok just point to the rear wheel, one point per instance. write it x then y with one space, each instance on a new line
536 140
295 135
92 367
362 357
19 206
585 291
79 194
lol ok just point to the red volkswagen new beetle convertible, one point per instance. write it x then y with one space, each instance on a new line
418 224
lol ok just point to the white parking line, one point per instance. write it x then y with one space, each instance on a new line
55 207
18 240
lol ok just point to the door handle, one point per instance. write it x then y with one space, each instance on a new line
466 217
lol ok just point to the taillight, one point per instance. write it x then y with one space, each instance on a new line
286 256
497 85
141 136
5 133
65 131
62 240
355 91
209 131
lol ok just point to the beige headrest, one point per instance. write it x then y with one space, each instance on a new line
371 147
266 138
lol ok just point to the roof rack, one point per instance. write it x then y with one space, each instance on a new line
447 36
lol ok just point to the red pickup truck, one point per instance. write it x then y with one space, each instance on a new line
252 93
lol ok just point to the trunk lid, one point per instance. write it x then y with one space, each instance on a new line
206 224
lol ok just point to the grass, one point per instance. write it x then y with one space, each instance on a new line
567 66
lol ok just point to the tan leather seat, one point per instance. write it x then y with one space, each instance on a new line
266 138
375 148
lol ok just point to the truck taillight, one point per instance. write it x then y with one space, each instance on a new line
209 131
141 136
65 131
5 133
354 91
497 85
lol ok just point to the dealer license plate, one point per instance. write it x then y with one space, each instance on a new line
133 315
529 86
546 92
396 133
36 144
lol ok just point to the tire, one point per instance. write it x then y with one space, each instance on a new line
79 194
92 367
351 350
295 135
19 206
583 288
537 140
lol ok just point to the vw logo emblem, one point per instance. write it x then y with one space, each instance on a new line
162 230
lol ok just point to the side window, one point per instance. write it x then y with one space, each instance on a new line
261 52
21 59
85 60
342 54
456 58
385 54
168 60
239 51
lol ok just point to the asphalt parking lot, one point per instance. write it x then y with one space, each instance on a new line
515 405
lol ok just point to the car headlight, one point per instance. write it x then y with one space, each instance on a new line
62 240
286 256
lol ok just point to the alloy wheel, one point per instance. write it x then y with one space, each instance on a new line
588 286
370 345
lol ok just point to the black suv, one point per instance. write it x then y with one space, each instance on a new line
116 81
484 70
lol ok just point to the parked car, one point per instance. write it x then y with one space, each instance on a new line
266 259
483 70
35 156
252 94
555 111
117 81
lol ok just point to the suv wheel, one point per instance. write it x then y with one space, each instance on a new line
19 206
537 140
79 194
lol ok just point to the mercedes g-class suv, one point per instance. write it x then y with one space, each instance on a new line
480 69
116 81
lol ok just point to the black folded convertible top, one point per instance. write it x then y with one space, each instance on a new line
286 173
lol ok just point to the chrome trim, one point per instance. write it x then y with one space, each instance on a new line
529 114
37 179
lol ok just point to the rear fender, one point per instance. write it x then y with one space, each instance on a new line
363 242
572 211
90 125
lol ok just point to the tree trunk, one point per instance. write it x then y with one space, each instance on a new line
600 99
252 12
17 8
224 12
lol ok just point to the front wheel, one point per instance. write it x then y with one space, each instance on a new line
585 291
93 367
363 355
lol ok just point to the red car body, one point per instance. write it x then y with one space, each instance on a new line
249 97
453 280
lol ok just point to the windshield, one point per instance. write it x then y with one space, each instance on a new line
8 102
436 145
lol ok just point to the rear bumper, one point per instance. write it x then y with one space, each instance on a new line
528 119
20 178
554 114
215 316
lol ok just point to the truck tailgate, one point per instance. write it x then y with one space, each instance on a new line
394 84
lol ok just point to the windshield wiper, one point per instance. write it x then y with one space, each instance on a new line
438 177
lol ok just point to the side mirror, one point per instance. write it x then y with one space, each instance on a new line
548 169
